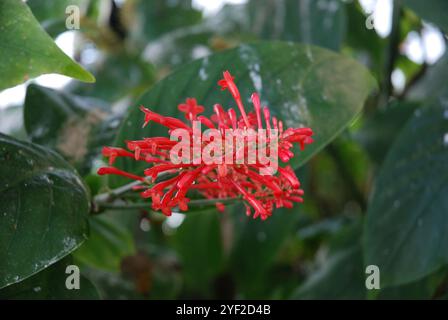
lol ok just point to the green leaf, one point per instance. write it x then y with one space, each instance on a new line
341 275
198 243
44 207
77 127
320 22
27 51
432 83
50 284
425 288
379 131
108 243
257 244
301 84
405 230
432 10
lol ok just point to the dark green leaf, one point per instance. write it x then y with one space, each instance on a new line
433 82
425 288
198 243
256 246
405 230
379 131
27 51
108 243
44 207
431 10
50 284
341 275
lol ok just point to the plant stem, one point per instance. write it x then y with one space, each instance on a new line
419 75
392 53
147 204
115 193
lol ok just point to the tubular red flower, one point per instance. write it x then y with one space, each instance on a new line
190 108
112 170
260 193
289 174
257 106
207 122
257 205
227 83
113 153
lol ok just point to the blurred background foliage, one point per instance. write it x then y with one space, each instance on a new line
375 195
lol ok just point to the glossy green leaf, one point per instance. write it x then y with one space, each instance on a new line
301 84
199 246
432 10
405 230
43 212
77 127
50 284
27 51
108 243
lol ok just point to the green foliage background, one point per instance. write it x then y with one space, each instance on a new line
375 180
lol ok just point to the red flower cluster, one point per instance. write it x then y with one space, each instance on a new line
214 181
